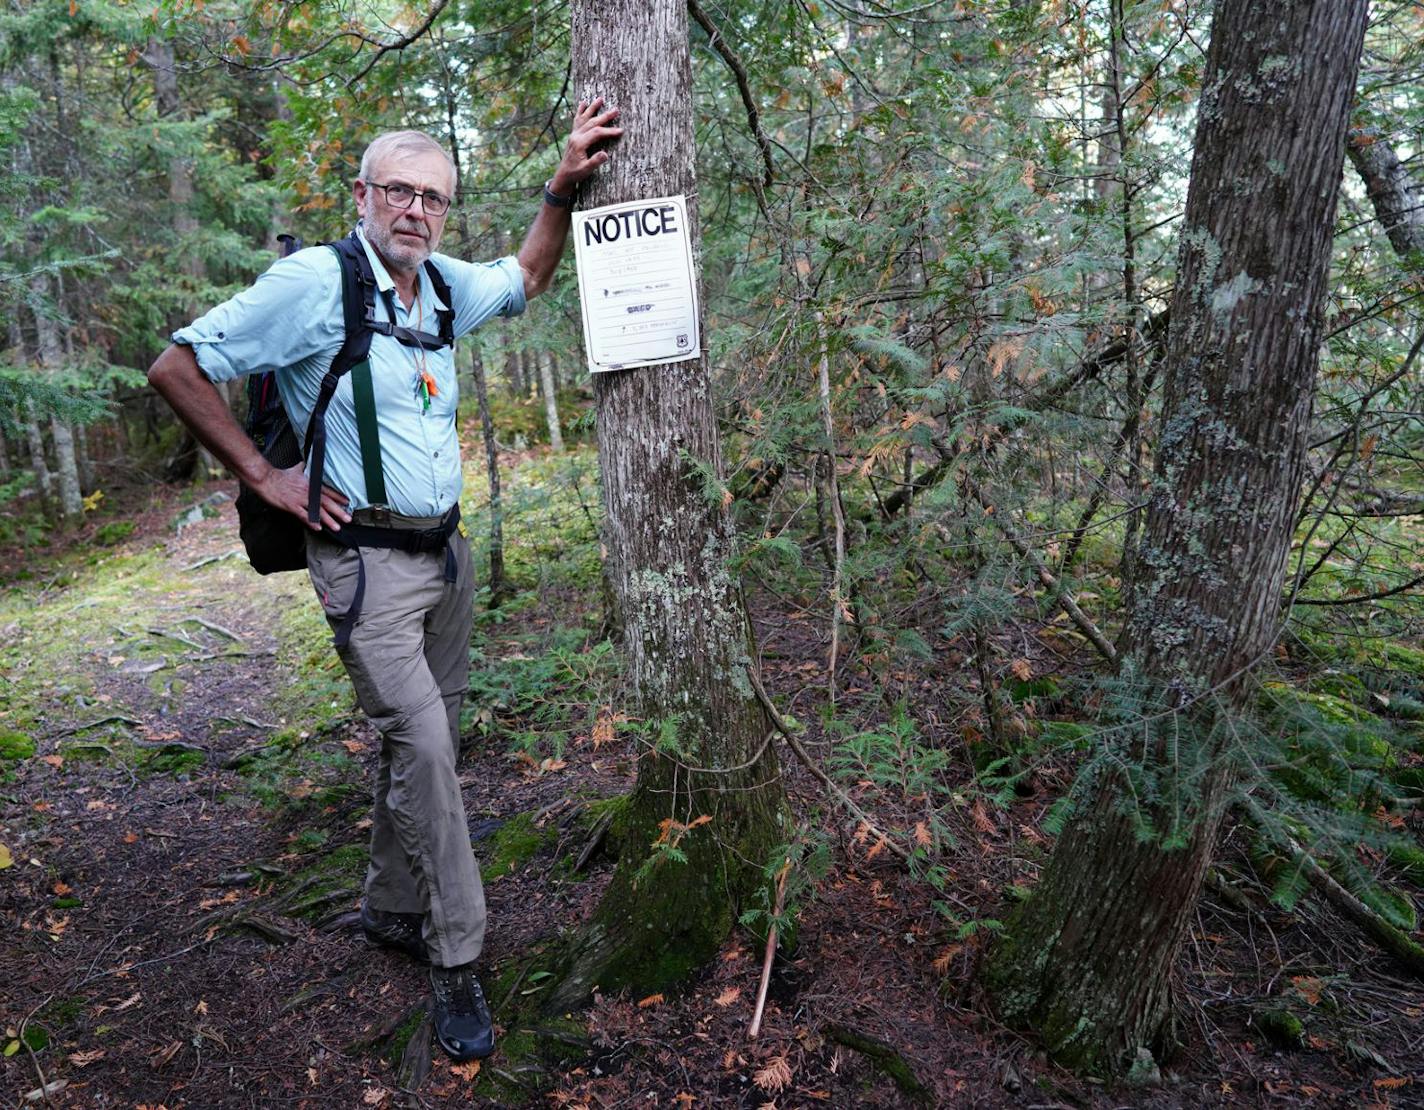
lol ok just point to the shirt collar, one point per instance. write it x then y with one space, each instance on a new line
384 282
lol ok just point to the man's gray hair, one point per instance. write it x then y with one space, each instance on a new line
402 142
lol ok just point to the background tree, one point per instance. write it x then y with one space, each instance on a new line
1087 961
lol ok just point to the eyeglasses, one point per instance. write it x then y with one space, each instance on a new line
403 196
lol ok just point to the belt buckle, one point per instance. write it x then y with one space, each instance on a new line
380 515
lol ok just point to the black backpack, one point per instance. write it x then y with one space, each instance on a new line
276 540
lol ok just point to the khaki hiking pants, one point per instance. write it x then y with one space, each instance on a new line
409 660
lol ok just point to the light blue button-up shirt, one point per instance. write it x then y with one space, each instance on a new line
291 321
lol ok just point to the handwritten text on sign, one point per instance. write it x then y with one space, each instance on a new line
637 286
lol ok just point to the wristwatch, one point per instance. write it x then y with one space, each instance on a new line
553 198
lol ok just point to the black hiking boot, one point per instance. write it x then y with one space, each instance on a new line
462 1019
401 931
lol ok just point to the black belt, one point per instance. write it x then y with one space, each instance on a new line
413 541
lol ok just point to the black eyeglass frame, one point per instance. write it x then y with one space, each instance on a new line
425 198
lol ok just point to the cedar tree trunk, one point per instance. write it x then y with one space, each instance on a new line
1086 961
708 783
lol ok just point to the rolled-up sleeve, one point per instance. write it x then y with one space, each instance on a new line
290 313
481 290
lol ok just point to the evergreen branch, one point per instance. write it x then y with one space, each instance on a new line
719 43
384 48
1380 595
1060 595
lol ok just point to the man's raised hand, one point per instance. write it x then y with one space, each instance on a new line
592 126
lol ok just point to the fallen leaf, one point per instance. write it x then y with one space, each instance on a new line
6 859
83 1059
922 834
130 837
62 888
375 1096
311 1076
55 761
1392 1083
1308 988
775 1077
201 1007
982 821
164 1055
466 1072
355 747
728 996
945 958
1021 669
683 1098
651 1000
129 1002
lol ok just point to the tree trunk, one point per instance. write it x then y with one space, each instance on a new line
551 404
50 351
1398 202
158 54
497 586
708 807
1087 959
44 480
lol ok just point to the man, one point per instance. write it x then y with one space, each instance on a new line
404 615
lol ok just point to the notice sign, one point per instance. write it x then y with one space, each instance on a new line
637 286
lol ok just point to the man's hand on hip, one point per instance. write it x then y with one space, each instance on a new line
288 489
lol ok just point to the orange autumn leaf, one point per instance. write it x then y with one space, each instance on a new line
651 1000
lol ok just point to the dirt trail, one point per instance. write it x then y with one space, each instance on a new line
185 848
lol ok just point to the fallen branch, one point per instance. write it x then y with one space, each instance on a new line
884 1056
770 957
794 743
1393 940
112 718
213 559
1061 596
211 627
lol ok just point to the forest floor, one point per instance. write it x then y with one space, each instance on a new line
183 816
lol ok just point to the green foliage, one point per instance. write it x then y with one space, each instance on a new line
791 876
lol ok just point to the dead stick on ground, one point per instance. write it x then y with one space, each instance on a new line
113 718
794 742
1063 598
770 951
219 629
833 495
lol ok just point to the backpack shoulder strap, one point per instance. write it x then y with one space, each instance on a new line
445 315
358 306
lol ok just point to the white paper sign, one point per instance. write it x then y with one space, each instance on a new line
637 285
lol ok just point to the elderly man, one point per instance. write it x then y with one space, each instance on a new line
402 611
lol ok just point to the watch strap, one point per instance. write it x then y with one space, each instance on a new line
552 198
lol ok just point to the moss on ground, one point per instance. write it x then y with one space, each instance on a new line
514 844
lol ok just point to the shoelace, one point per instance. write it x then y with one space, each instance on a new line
458 991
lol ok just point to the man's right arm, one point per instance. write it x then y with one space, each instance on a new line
175 374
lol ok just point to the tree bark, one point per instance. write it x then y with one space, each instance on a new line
1086 961
1396 198
551 404
708 784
